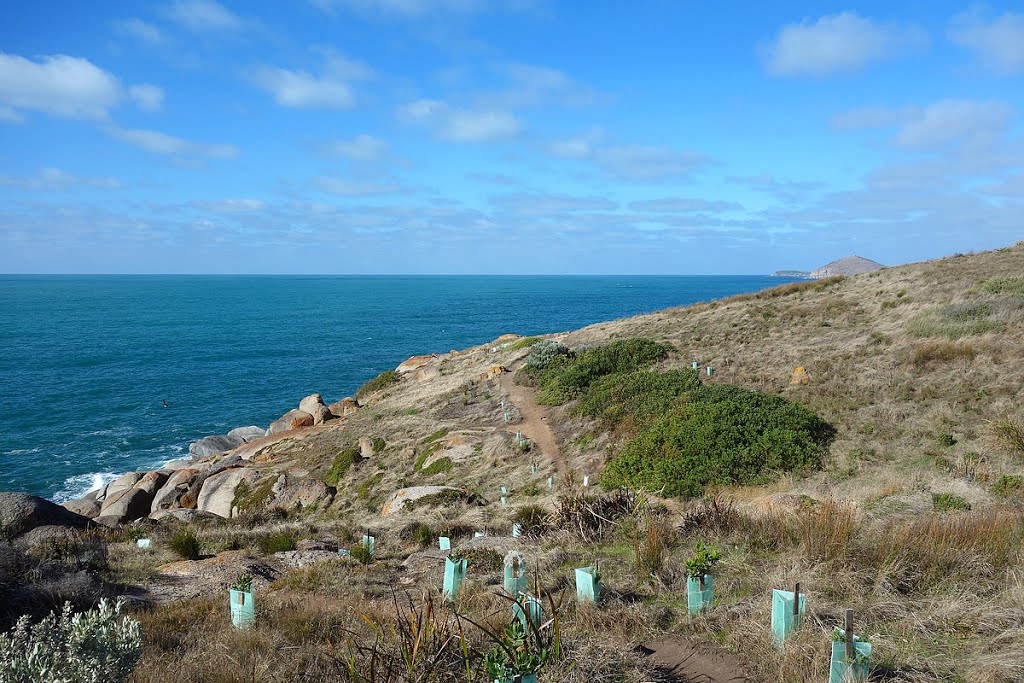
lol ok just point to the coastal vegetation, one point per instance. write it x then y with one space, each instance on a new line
886 477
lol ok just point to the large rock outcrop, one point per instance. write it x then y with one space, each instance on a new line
411 364
344 407
212 445
218 492
136 502
293 419
20 513
396 501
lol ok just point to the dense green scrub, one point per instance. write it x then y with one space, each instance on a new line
683 435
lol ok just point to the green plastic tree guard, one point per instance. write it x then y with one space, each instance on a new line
517 530
696 599
588 585
784 621
504 490
843 671
143 544
533 468
534 610
506 418
371 543
710 370
454 572
515 584
504 500
694 365
521 678
479 534
444 543
243 610
551 482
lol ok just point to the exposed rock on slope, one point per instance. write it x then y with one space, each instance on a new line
848 265
20 513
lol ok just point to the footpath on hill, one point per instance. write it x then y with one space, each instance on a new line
535 425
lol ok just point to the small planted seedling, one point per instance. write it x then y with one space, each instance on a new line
143 544
588 585
515 573
700 586
851 656
454 572
787 609
517 656
243 608
528 610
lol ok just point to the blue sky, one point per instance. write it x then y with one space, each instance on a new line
510 136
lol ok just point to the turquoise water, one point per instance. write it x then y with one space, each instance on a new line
85 361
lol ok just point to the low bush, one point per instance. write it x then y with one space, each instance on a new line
1013 286
439 466
342 461
278 542
567 379
1008 485
186 544
484 560
419 533
378 383
947 502
379 444
533 520
636 397
1008 434
722 435
98 645
525 343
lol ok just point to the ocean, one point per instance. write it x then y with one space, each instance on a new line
86 361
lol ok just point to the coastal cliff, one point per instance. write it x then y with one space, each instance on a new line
914 369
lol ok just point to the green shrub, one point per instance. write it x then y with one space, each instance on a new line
945 502
361 553
637 396
445 498
544 353
524 343
342 461
98 645
437 467
378 383
533 520
379 444
1008 434
278 542
419 533
484 560
1008 485
365 487
1013 286
565 379
722 435
186 544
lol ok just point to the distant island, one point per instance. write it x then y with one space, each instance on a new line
848 265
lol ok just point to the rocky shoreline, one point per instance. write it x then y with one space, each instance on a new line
205 484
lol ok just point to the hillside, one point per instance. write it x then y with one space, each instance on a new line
848 265
910 513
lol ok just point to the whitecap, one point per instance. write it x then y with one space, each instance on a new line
81 484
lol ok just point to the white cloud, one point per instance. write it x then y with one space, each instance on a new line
683 205
301 89
461 125
547 204
640 163
359 148
351 188
148 97
947 121
142 31
531 85
999 42
168 145
56 179
839 43
59 85
201 16
232 206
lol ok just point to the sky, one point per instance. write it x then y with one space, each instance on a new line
505 136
